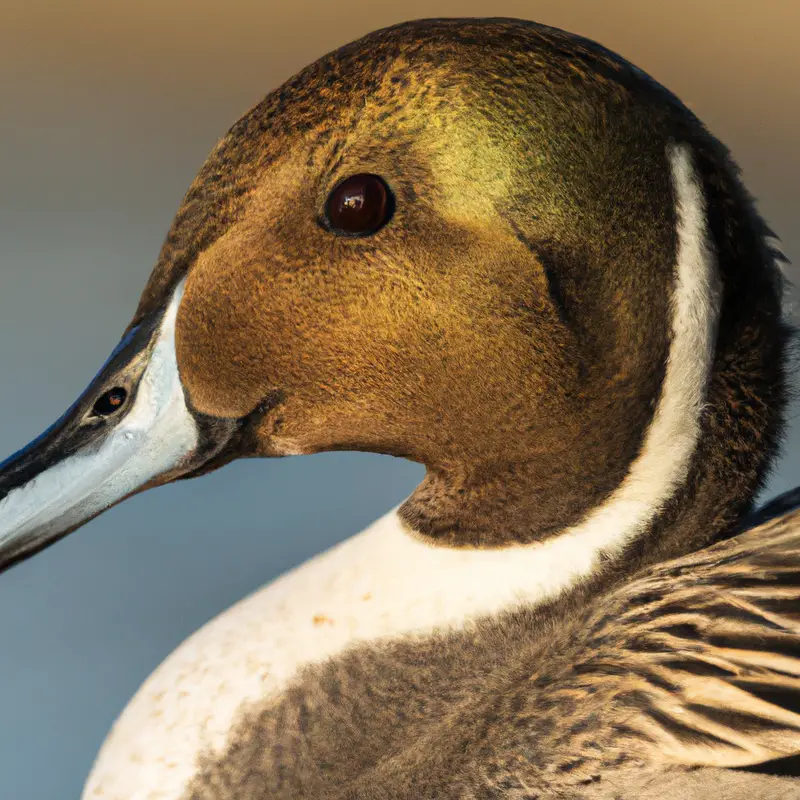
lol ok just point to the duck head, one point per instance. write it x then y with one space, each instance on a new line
488 246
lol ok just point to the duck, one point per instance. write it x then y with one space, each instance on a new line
502 251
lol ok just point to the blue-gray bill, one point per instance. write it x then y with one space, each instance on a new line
130 430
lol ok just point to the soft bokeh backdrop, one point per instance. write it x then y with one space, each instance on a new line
108 109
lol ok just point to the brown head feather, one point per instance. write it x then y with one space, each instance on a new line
508 328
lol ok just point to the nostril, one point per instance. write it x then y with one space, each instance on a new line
110 402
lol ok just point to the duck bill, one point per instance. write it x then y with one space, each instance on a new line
130 430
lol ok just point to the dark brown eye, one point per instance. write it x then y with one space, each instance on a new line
359 206
109 402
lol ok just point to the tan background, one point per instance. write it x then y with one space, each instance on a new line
108 109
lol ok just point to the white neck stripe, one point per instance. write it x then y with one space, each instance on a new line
664 460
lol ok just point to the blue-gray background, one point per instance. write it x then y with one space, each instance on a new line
108 109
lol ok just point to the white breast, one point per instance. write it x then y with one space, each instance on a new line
378 583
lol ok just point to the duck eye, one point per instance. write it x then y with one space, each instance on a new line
359 206
109 402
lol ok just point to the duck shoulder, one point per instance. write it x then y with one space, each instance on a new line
697 660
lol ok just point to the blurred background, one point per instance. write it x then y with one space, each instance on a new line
108 110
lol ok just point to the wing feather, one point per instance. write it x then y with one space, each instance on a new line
698 660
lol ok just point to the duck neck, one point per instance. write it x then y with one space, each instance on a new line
717 421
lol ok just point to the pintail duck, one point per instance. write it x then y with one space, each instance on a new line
502 251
